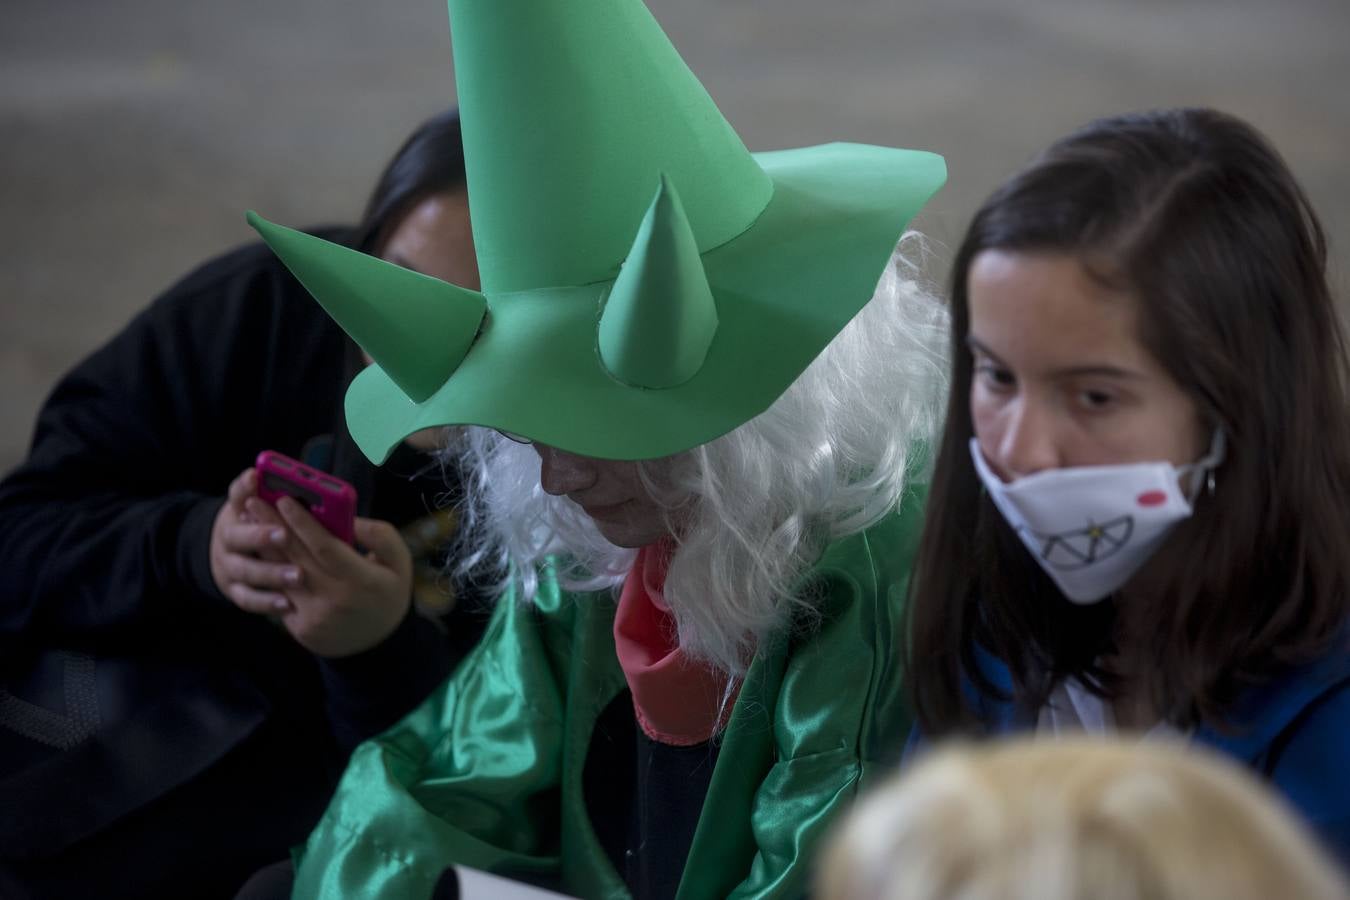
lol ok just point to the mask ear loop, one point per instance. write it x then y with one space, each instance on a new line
1218 451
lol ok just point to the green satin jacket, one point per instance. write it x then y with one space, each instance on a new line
487 772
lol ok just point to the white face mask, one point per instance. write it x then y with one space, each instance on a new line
1092 527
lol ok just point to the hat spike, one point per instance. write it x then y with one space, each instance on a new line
660 317
417 328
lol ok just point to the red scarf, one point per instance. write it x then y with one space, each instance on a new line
677 700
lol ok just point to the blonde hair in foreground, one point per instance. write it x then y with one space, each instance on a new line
1073 820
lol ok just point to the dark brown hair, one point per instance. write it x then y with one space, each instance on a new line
1195 215
431 161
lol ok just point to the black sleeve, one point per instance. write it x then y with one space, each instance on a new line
107 523
368 692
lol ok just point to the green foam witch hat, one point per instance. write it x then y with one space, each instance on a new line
611 322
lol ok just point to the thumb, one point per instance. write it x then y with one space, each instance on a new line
383 541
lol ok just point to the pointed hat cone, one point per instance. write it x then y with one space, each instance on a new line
416 328
660 317
570 109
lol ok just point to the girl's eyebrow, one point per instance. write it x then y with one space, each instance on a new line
973 345
1097 371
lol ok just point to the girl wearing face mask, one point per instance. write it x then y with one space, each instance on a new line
1139 516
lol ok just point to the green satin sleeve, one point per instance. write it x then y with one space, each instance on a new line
471 776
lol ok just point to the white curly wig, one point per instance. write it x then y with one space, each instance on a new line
755 508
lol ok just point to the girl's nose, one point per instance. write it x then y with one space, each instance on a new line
1027 444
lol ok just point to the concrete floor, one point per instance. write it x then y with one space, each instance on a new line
133 135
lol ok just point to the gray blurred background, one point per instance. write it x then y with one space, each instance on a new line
133 133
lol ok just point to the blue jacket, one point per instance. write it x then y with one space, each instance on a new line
1294 731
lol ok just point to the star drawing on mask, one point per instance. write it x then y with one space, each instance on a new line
1085 546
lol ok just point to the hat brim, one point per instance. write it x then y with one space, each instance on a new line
784 288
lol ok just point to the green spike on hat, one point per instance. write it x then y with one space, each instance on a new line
660 315
416 328
620 326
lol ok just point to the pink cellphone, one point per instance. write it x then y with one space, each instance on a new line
328 498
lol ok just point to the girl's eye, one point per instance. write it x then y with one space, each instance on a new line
1096 400
994 377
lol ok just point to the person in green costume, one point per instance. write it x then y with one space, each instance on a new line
695 478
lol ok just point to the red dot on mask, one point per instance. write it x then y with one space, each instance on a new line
1151 498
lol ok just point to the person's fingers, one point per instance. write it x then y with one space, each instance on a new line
262 574
246 537
263 512
244 486
313 540
279 542
383 540
263 603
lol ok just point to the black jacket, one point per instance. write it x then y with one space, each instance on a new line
155 740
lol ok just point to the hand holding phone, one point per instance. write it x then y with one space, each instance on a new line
283 545
328 498
342 600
